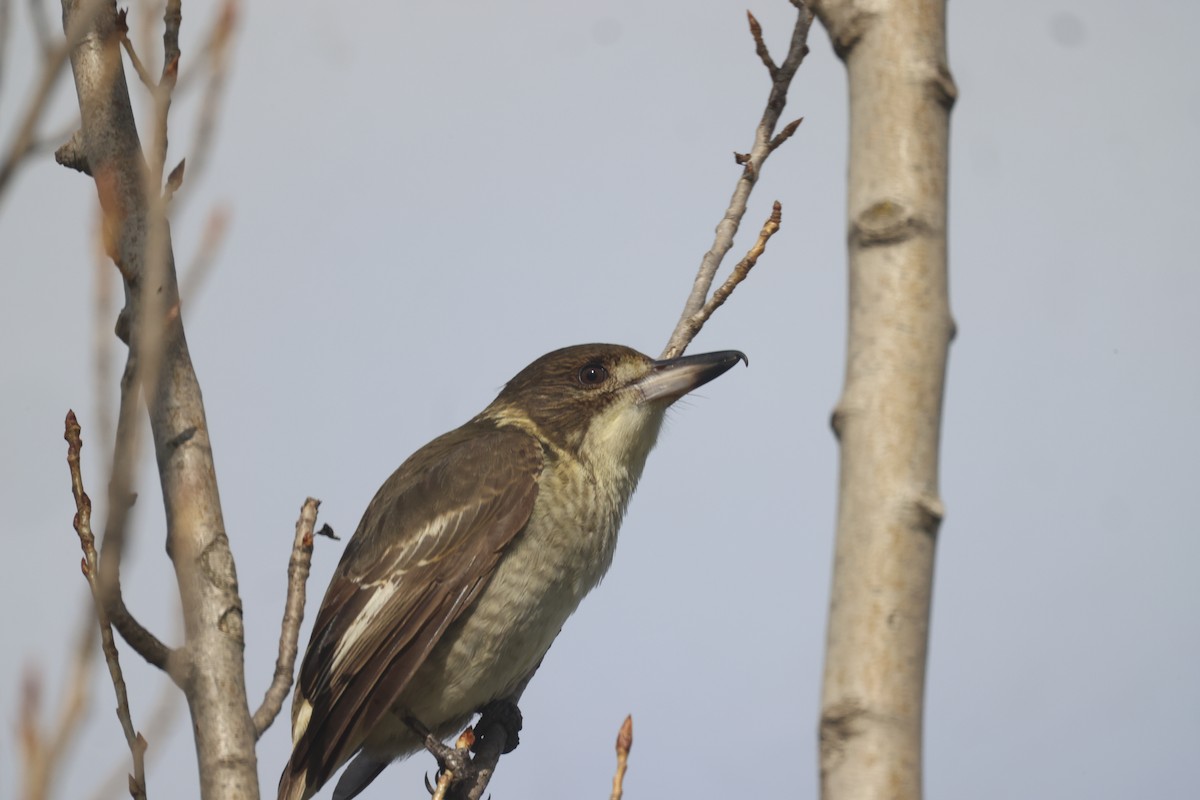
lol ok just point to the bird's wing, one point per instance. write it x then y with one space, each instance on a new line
426 546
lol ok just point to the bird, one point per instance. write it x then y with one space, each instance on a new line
472 555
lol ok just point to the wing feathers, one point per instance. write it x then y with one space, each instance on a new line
425 548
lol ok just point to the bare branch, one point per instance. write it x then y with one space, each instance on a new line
120 500
760 46
158 725
216 58
765 142
138 67
293 615
205 257
172 17
692 325
138 239
42 756
83 527
24 138
624 745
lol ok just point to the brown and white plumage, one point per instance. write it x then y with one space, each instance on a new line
472 555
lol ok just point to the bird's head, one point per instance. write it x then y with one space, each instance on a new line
604 403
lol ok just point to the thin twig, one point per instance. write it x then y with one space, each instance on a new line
693 324
216 57
760 46
293 615
42 755
624 745
202 262
172 17
138 67
20 146
157 728
765 142
120 500
83 527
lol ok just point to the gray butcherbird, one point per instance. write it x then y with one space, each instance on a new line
473 554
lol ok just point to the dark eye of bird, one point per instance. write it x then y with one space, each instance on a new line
592 374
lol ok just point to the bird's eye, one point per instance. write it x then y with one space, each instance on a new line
592 374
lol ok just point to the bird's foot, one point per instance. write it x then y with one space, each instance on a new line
499 717
449 758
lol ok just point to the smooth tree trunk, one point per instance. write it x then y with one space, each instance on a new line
889 415
209 667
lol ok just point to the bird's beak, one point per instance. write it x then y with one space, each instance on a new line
671 379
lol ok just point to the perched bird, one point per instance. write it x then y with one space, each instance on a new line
473 554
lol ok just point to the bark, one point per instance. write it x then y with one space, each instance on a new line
888 418
137 237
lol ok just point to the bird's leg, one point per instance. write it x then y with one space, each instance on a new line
499 716
452 759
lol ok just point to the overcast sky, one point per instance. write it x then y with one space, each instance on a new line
426 196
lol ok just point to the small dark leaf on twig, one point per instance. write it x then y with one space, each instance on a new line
741 158
122 22
327 532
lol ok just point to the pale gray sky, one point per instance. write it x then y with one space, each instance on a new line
426 196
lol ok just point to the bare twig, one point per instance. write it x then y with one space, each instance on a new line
765 141
216 56
760 46
24 138
120 500
172 17
42 755
103 351
624 745
138 67
692 325
293 615
157 728
202 262
83 527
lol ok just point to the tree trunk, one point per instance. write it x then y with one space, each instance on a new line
889 415
209 667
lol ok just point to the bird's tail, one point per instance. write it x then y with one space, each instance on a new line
293 784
